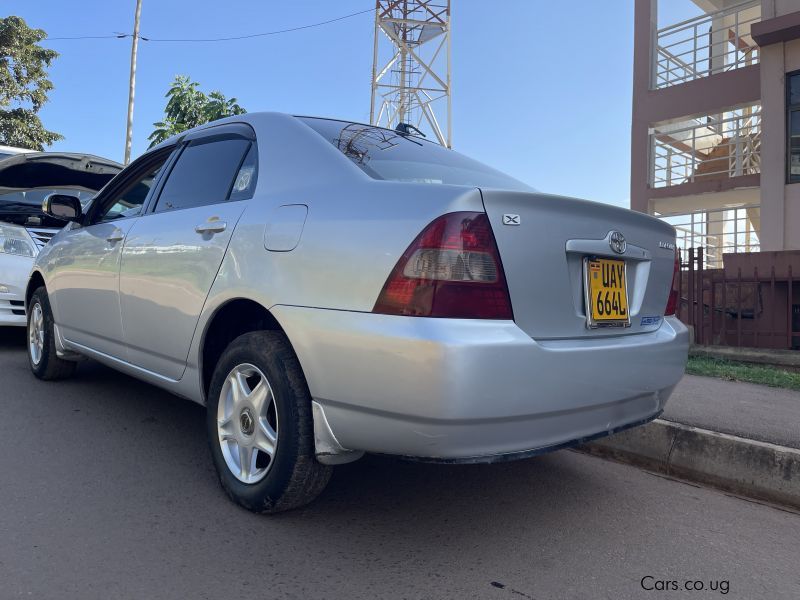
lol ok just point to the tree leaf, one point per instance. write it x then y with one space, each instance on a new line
188 107
24 85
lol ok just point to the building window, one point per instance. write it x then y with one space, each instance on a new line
793 126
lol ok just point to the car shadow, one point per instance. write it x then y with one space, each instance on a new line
12 338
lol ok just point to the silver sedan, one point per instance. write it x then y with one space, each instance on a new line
328 288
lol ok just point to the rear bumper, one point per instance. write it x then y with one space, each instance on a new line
476 390
14 271
520 455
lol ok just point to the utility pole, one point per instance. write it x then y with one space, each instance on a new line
132 87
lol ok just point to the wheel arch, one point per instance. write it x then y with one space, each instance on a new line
238 316
35 281
231 319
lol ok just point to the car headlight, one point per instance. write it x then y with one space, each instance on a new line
16 240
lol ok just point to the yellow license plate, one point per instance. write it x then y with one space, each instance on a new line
606 293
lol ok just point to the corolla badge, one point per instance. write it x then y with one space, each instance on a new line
617 242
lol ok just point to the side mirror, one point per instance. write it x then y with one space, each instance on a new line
62 207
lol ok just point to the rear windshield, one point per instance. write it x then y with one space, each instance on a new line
386 154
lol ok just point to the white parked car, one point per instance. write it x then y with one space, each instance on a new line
26 179
328 288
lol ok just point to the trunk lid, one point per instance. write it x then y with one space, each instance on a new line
543 259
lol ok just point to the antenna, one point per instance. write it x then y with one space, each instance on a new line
411 66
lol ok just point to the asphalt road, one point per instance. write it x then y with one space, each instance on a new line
753 411
108 492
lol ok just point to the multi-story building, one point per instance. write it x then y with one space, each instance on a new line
715 140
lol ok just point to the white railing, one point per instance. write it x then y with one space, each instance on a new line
708 44
706 148
718 232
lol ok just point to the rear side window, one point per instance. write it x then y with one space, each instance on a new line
386 154
245 182
204 174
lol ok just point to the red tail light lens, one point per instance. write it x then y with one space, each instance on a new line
672 302
452 269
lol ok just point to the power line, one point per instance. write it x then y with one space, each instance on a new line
222 39
90 37
266 33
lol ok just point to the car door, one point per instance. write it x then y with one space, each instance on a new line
84 280
173 251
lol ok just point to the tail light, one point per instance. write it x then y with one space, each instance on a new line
672 302
452 269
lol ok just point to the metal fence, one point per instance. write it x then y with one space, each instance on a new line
705 45
706 148
742 305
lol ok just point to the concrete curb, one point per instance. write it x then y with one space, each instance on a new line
747 467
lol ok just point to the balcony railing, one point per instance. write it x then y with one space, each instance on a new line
709 44
711 147
719 231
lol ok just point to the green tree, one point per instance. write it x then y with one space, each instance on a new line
24 85
188 107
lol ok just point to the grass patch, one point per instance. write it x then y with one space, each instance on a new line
738 371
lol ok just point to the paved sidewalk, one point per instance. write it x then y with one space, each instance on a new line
738 437
744 409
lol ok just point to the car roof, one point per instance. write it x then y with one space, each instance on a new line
253 116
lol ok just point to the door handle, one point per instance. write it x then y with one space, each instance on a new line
116 236
212 227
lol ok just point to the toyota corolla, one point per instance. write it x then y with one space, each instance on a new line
328 288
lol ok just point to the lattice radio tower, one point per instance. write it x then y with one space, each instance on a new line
411 66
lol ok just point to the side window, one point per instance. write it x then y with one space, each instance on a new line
793 127
204 174
245 183
129 202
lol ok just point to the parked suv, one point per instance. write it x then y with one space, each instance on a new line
328 288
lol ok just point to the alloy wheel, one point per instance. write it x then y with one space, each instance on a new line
36 334
247 423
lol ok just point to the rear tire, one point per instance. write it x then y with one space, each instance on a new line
262 436
44 361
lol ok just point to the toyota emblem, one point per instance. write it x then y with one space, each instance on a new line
617 242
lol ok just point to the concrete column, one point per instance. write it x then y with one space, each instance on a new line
718 44
773 147
768 10
715 237
645 26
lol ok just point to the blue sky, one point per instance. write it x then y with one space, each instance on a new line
541 90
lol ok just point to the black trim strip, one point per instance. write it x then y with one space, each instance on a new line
499 458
